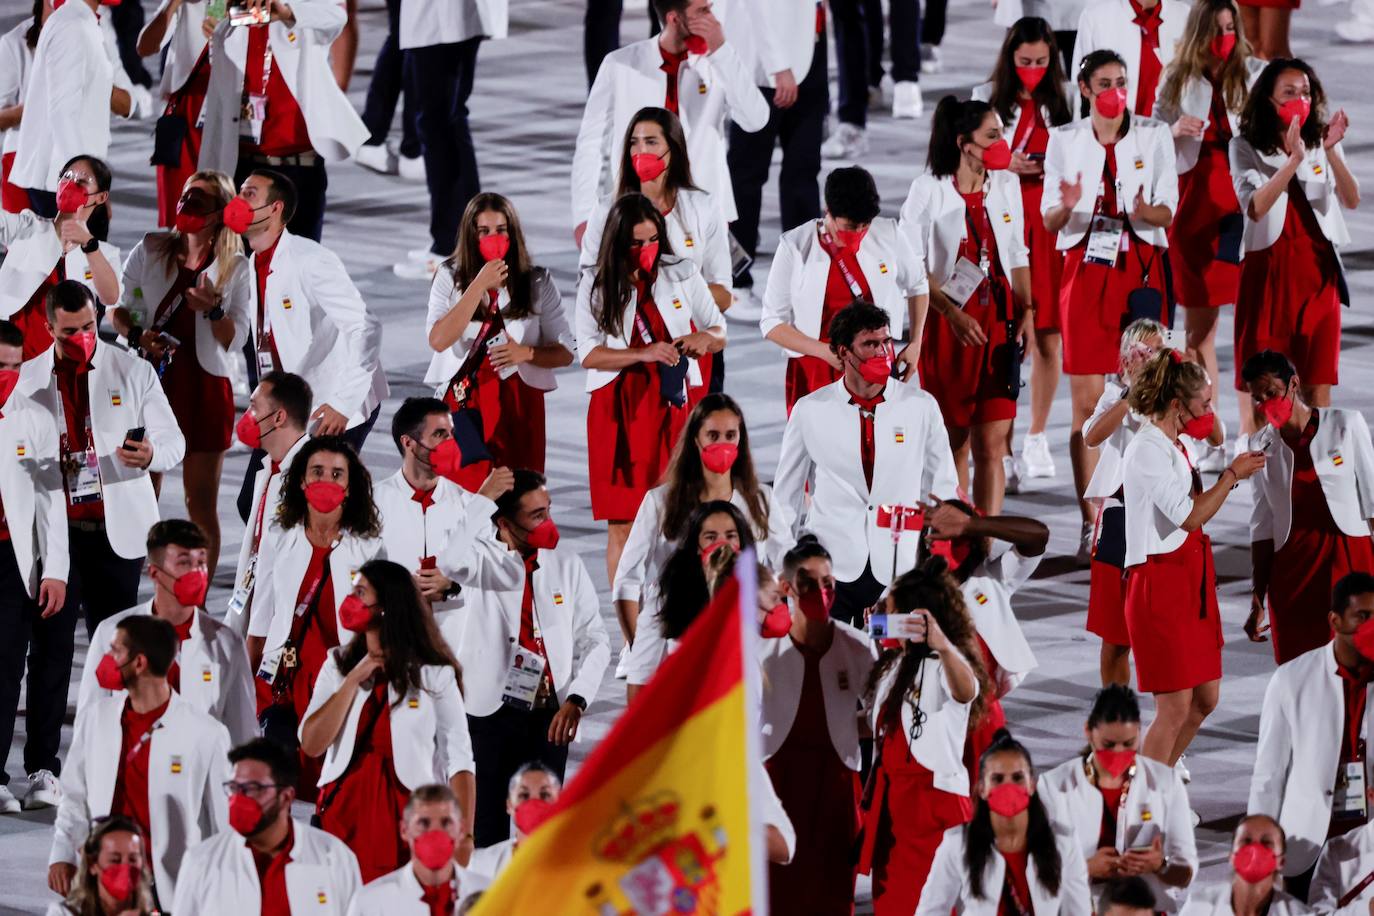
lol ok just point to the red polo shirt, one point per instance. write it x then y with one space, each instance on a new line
131 782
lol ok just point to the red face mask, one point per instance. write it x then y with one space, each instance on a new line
9 379
1115 762
816 604
719 457
1110 103
354 616
187 223
712 548
238 215
190 588
79 347
1295 108
543 536
1223 45
646 255
1009 799
1200 427
697 45
434 849
850 239
245 814
120 881
647 166
108 675
325 495
1030 77
955 552
249 430
71 196
876 370
1277 410
997 156
493 247
446 459
777 622
1364 640
530 813
111 2
1254 862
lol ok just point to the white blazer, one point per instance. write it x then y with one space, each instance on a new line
323 330
547 324
567 613
911 460
947 889
220 875
1345 861
1344 460
410 533
891 261
1159 495
66 99
147 280
1106 479
772 36
429 727
215 676
940 746
1062 15
16 60
1108 25
31 492
266 496
125 393
1196 102
711 87
987 595
1215 900
183 41
697 232
489 861
1298 752
1156 795
844 671
188 761
983 93
440 22
33 250
935 221
1144 158
682 299
1251 169
300 53
400 893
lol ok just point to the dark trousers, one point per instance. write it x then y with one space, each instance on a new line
312 183
502 743
904 21
127 19
354 437
100 580
851 47
441 78
49 644
852 599
600 34
933 25
387 86
800 129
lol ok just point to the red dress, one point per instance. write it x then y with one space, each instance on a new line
186 102
970 383
1308 565
1046 260
202 402
1016 895
631 430
820 794
1107 585
1289 300
1173 618
994 718
1092 299
13 199
1206 197
806 374
366 808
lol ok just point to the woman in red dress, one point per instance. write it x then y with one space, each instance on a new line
186 303
635 318
498 331
386 708
1266 22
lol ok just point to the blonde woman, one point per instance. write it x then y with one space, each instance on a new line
186 306
113 877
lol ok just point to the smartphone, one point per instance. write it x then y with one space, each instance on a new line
1036 157
500 338
1143 837
168 340
242 15
895 626
133 435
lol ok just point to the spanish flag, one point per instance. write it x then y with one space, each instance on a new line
659 819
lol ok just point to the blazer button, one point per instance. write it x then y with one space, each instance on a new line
512 639
870 508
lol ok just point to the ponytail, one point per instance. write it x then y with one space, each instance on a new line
952 124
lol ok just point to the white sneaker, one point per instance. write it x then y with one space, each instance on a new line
746 308
1355 31
907 101
1035 455
1181 769
1213 459
45 791
849 141
8 803
416 270
411 169
930 59
622 666
1012 468
1085 543
377 157
420 254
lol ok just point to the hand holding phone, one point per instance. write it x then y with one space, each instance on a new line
134 435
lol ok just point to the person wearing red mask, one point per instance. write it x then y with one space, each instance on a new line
1341 881
1026 90
42 253
113 874
115 428
186 308
1172 616
1145 33
325 527
1310 761
1309 525
1130 813
432 883
813 677
872 448
644 317
387 715
267 863
1292 181
965 214
530 637
822 266
1110 192
144 753
1259 856
498 331
211 671
531 795
1011 857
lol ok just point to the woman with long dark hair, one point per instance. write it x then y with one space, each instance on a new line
387 707
113 875
1292 181
711 461
498 331
1026 90
965 214
644 315
186 304
326 527
1010 858
926 691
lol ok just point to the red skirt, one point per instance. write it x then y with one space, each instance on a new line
1205 197
1273 4
806 374
969 383
171 181
1305 570
1173 618
1107 603
512 426
13 199
203 403
1046 260
367 809
631 432
1092 305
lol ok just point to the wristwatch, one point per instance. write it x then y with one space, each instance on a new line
577 701
92 246
216 313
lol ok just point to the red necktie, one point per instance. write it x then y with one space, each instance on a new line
1147 77
439 899
866 406
672 63
424 497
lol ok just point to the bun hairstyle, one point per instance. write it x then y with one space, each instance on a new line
953 125
808 547
1040 839
1164 378
1114 703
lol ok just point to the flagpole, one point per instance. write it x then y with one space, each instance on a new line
746 575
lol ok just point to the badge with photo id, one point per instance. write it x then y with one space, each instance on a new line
252 116
1350 800
1104 241
964 282
523 673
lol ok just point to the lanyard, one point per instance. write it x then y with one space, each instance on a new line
458 385
1023 132
262 508
1355 705
143 739
836 253
981 239
315 586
